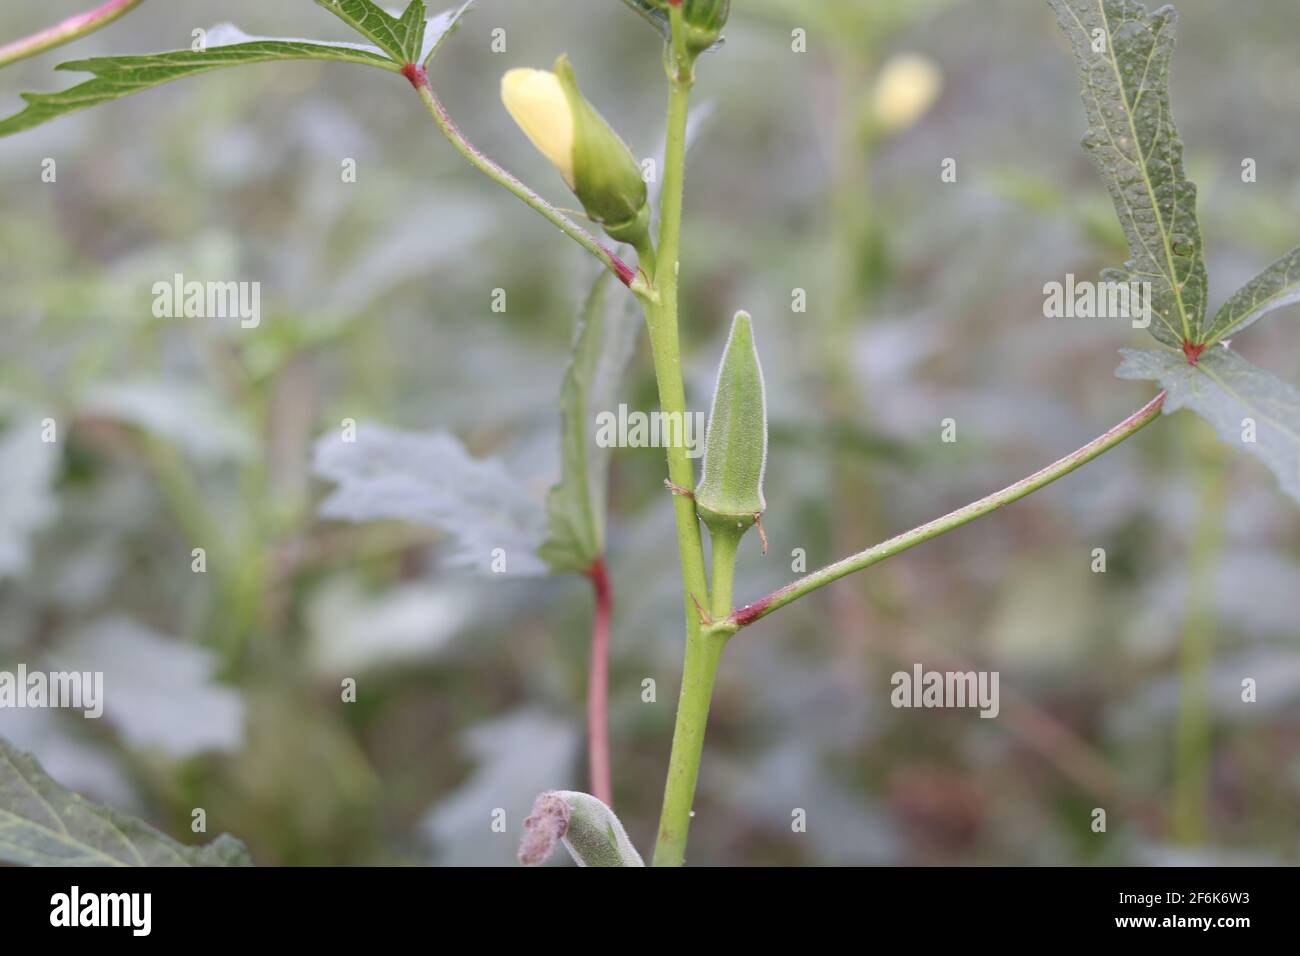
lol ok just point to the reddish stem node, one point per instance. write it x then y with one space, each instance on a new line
416 74
1193 352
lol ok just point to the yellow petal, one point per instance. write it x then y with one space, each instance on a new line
537 102
907 86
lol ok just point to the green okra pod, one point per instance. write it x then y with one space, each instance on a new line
729 497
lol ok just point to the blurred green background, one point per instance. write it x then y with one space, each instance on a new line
924 302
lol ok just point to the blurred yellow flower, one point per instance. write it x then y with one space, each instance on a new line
906 88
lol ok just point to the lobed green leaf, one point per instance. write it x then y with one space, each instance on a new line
1248 407
411 27
391 34
1123 54
119 76
45 824
412 38
1275 287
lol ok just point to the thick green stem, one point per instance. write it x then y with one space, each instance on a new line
702 650
502 177
977 509
73 28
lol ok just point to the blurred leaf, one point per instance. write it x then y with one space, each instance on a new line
430 479
28 468
187 415
165 694
119 76
353 631
1275 287
1225 390
592 833
43 824
440 28
575 508
1133 141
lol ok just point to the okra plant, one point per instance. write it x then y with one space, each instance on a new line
1122 52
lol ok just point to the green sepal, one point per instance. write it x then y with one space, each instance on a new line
606 176
634 231
704 21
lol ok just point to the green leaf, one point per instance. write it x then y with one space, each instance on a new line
591 832
1242 402
1276 286
1123 54
391 34
735 448
119 76
412 27
652 15
440 28
575 507
44 824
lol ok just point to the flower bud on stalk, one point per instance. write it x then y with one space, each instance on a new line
595 163
704 21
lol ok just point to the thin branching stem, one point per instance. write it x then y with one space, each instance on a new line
484 164
977 509
73 28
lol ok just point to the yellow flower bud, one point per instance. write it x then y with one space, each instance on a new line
537 102
567 130
906 88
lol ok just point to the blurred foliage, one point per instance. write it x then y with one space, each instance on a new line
377 298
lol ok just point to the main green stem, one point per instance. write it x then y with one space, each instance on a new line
66 31
977 509
703 651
